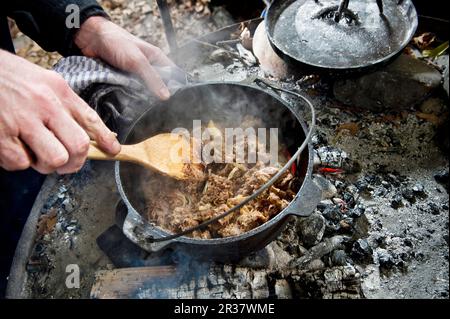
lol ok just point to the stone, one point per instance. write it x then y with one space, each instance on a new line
442 62
332 213
280 258
418 189
441 177
334 157
385 259
371 280
397 202
283 289
311 229
361 251
263 258
320 250
328 189
409 195
339 257
433 209
314 265
400 85
357 211
270 62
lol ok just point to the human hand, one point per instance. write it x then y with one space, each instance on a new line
100 38
43 123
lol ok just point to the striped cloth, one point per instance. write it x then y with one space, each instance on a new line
81 72
118 97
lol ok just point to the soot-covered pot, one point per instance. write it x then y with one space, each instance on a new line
226 103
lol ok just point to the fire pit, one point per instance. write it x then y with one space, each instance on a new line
380 230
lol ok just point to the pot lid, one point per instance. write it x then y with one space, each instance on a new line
341 35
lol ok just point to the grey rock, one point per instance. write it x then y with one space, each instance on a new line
314 265
385 259
260 259
418 189
311 229
336 158
433 208
320 250
371 280
328 189
282 289
443 62
361 251
278 256
397 202
399 85
68 205
357 211
361 227
339 257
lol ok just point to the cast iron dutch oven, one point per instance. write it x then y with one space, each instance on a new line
340 36
227 104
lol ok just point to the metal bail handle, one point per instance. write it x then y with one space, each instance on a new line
168 25
337 12
343 6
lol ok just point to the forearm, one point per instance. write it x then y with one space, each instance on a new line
45 21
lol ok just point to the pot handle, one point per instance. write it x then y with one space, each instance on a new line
142 233
306 200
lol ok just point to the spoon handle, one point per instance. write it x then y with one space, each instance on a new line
96 153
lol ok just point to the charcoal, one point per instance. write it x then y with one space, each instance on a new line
433 208
311 229
385 259
339 257
356 211
361 251
332 213
397 202
442 178
418 189
409 195
328 189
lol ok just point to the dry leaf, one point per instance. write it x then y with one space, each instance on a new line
353 128
424 40
434 119
46 223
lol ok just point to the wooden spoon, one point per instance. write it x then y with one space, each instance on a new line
168 153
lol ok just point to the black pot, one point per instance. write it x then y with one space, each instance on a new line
389 35
224 103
